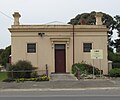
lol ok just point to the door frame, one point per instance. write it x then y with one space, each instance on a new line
60 40
66 47
64 51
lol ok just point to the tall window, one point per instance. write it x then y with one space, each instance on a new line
31 48
87 47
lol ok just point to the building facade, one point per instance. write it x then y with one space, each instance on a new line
58 46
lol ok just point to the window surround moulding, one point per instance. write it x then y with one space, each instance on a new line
60 40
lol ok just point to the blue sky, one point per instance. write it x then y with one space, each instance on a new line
45 11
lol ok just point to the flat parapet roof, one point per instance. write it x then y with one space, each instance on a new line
58 26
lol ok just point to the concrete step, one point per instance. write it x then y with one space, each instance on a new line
62 77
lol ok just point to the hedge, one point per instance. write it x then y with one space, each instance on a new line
116 65
114 72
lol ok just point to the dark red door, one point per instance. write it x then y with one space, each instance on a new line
60 58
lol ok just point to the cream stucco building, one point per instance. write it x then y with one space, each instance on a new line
58 46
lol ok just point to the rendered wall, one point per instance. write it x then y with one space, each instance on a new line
58 34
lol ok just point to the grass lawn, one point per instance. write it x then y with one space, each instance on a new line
3 75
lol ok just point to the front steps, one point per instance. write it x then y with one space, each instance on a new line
63 77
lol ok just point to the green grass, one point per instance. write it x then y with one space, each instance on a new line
3 75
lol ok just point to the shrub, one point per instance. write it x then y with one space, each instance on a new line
78 65
40 78
116 65
22 69
43 78
34 74
114 72
8 80
84 69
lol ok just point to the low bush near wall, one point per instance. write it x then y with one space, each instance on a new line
22 69
84 69
37 79
114 72
43 78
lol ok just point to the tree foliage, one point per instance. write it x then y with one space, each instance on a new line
111 23
115 57
84 18
5 55
116 43
117 18
1 50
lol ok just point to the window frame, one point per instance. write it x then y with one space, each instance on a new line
31 47
87 47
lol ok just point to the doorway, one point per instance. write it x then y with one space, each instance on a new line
60 58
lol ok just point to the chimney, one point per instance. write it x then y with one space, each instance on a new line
16 16
98 18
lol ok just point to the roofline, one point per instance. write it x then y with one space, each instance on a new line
56 28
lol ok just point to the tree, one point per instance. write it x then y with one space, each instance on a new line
84 18
117 18
5 55
1 50
89 19
116 43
